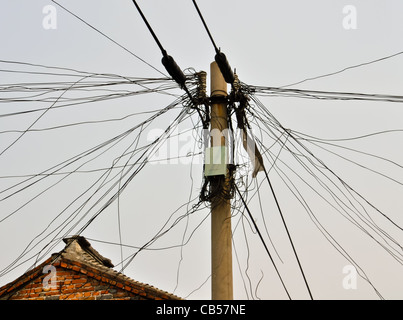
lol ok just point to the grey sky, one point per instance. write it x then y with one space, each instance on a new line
270 43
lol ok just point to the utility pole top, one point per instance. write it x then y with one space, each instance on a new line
218 84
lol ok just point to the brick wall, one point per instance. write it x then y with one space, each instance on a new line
74 281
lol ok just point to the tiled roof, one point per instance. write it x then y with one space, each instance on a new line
79 256
79 246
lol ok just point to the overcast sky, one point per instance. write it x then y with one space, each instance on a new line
270 43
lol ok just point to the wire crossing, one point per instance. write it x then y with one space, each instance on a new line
168 62
262 240
105 190
288 234
172 67
106 36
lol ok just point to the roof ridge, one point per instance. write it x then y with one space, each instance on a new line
79 254
98 262
86 246
116 276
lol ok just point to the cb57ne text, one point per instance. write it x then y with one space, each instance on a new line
205 309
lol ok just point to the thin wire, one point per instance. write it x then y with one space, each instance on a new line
283 220
288 234
237 260
323 95
42 115
276 125
248 254
297 194
165 54
109 38
261 238
345 69
187 218
103 184
136 140
312 138
312 156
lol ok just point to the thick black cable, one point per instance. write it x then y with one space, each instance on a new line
205 26
109 38
261 238
220 57
164 53
170 64
288 234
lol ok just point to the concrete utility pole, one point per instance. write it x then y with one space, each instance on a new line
221 232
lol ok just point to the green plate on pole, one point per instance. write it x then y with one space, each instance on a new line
215 161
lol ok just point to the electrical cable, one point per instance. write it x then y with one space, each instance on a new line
206 27
322 95
41 115
163 51
297 194
288 234
262 240
170 65
109 38
277 126
220 57
312 165
115 195
310 154
168 62
286 228
344 69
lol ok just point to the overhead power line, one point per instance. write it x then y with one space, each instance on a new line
322 95
107 188
171 66
288 234
205 25
262 240
109 38
220 57
168 62
344 69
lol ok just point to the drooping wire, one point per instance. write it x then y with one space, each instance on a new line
58 92
286 228
320 162
344 69
302 155
41 115
171 66
104 176
288 234
262 240
322 95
